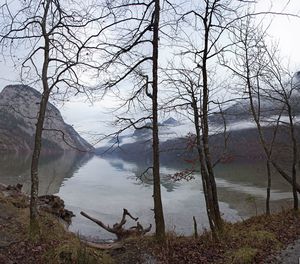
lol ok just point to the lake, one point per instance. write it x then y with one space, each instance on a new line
103 187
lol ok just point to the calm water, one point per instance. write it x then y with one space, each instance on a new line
102 188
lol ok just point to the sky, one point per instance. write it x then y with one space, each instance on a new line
95 118
284 29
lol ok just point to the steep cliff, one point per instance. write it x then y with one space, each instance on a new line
19 106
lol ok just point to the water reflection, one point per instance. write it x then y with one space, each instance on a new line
102 190
53 170
103 187
143 176
242 185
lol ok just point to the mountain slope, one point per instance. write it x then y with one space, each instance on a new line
240 110
19 106
243 146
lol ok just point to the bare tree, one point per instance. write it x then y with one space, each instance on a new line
159 217
55 52
209 22
261 77
284 90
249 65
135 58
186 99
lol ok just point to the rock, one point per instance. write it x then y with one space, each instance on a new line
48 203
290 255
17 187
56 206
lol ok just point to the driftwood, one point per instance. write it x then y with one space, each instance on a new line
118 229
104 246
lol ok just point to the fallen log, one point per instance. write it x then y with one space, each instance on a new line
118 228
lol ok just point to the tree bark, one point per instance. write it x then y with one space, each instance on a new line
158 208
268 211
34 227
256 116
217 225
295 153
203 169
34 165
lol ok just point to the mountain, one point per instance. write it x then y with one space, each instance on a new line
240 110
242 146
19 105
170 122
164 128
243 143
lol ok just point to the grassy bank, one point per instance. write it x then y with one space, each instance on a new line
55 245
254 240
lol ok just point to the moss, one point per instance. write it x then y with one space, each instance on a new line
244 255
248 242
68 247
254 236
262 239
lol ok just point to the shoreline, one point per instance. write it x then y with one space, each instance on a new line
254 240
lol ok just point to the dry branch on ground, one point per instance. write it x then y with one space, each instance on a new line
118 228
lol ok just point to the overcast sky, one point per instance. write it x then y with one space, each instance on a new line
89 118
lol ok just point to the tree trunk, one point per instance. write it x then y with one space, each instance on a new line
268 187
257 117
206 183
295 153
211 184
158 208
34 226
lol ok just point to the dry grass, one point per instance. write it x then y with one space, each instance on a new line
250 241
54 245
